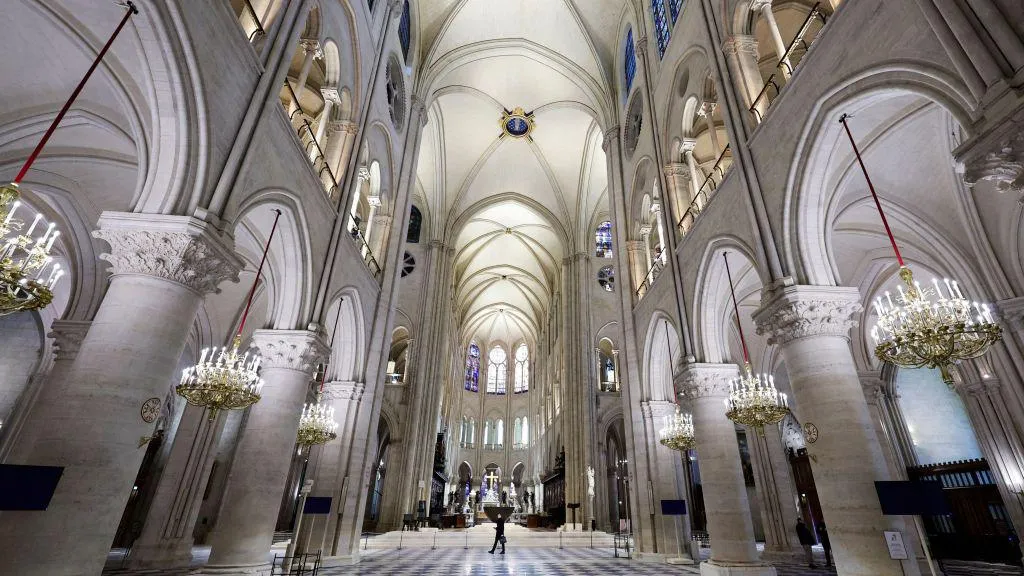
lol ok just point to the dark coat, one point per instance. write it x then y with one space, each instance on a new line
500 528
804 534
823 537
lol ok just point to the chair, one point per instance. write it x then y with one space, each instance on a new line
408 522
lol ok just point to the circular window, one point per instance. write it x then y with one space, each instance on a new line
634 123
517 123
408 264
606 278
395 88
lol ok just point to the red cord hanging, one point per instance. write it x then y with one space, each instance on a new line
259 272
881 213
132 10
736 308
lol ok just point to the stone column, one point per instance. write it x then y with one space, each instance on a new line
774 482
318 531
90 422
615 363
695 175
635 253
659 216
667 478
645 237
67 340
331 97
741 55
765 7
733 551
166 539
707 111
677 175
340 137
245 528
811 324
311 50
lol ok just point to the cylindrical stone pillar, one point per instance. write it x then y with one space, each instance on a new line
811 324
245 528
733 551
90 423
667 481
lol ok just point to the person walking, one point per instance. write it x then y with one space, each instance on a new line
823 538
499 535
806 540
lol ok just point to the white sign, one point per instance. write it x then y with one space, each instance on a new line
897 550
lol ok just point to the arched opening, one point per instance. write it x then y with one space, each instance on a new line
375 490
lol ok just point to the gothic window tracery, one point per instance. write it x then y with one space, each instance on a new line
630 63
676 8
405 31
603 240
661 28
497 371
473 368
522 375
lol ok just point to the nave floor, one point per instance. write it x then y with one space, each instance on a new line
523 561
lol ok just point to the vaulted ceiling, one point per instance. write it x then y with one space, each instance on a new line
514 207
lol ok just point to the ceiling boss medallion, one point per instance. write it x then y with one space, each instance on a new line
517 124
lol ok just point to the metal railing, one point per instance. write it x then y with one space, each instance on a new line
520 446
650 277
357 236
469 445
707 189
494 447
787 64
297 565
258 31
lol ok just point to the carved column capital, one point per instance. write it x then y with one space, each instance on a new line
873 385
299 350
343 391
706 109
740 44
677 169
1003 166
67 337
703 380
181 249
311 46
331 95
795 312
610 136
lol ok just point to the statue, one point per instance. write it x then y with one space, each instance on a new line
590 481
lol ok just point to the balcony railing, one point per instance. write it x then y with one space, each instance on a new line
467 445
608 386
650 277
787 64
364 249
494 447
520 446
707 189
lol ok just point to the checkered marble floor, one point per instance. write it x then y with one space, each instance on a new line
524 562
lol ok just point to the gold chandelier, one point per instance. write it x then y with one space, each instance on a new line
678 432
26 277
915 331
753 399
317 425
225 379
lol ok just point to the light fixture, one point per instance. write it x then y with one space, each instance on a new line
26 277
678 432
753 399
317 424
926 326
224 378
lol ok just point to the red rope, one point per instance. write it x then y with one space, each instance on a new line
881 213
736 308
132 10
259 272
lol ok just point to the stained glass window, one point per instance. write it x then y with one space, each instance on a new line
405 31
473 368
676 7
630 63
606 278
660 25
603 240
522 369
497 371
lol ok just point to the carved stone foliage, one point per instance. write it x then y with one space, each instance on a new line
803 311
176 248
299 350
657 409
706 380
1004 166
343 391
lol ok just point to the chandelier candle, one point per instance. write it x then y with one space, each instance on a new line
678 432
317 424
753 399
915 331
